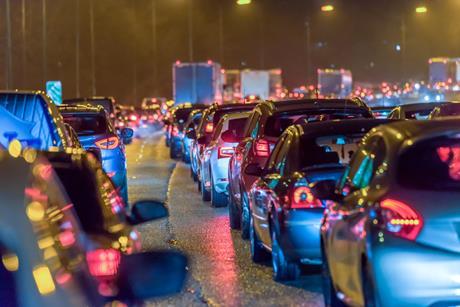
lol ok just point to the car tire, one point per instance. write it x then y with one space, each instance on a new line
368 287
194 176
205 195
245 216
283 270
233 212
173 151
329 293
258 252
217 199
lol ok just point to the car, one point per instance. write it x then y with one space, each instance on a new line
176 127
214 167
266 123
33 119
445 110
192 123
108 103
203 134
381 111
47 260
285 217
95 131
389 235
414 110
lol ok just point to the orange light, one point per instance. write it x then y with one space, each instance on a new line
327 8
209 127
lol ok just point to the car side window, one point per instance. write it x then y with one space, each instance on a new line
365 163
278 160
271 162
394 114
217 130
252 126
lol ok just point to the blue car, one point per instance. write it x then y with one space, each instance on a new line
95 131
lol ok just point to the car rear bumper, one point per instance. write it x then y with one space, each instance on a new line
219 169
300 235
411 274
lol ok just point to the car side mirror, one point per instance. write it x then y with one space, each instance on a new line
201 140
147 210
148 275
127 135
191 134
325 190
230 136
254 169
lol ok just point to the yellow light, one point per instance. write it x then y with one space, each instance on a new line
43 279
243 2
327 8
15 148
35 211
421 10
45 242
30 155
11 262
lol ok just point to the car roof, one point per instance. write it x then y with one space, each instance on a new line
292 105
313 130
421 106
236 115
80 108
89 98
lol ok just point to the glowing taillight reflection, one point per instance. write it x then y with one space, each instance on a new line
262 148
103 262
303 198
400 219
225 152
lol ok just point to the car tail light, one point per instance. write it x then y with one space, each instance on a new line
400 219
103 262
209 127
175 131
133 117
108 143
262 148
225 152
303 198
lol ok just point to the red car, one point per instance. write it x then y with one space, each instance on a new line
267 122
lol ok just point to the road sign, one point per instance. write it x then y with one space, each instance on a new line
54 91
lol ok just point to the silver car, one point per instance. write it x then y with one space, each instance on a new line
216 156
390 234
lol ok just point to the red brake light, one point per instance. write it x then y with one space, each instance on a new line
225 152
303 198
175 131
262 148
103 262
133 117
209 127
108 143
401 219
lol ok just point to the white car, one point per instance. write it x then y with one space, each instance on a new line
216 156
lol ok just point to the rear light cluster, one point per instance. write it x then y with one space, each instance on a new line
175 131
262 148
108 143
400 219
225 152
209 128
302 198
103 263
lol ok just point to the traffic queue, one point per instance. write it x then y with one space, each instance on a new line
67 231
331 183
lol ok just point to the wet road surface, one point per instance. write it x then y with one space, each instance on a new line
221 271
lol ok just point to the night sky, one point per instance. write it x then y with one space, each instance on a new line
360 35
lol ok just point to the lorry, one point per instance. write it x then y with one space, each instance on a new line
334 83
444 70
197 82
265 84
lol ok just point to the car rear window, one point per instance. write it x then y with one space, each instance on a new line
276 124
237 125
181 115
450 110
431 165
219 114
418 114
87 124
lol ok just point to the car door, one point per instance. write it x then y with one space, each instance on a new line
349 228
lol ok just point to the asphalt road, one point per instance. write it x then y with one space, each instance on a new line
220 271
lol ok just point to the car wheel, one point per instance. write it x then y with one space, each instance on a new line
329 293
217 199
283 270
368 287
245 217
233 212
258 252
205 195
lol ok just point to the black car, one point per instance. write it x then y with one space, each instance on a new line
414 110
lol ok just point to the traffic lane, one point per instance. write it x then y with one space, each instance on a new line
220 259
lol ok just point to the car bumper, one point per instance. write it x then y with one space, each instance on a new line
411 274
300 235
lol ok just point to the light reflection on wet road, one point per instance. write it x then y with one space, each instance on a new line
222 273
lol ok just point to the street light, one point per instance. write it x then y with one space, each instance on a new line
243 2
421 10
327 8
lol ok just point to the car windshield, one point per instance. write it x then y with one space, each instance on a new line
440 158
329 149
276 124
87 124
